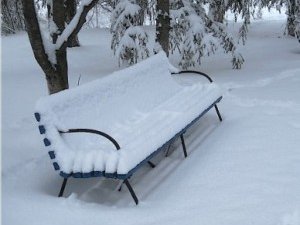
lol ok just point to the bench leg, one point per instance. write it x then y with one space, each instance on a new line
63 186
183 145
167 152
126 182
218 112
151 164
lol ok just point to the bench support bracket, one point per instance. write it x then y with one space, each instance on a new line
151 164
63 186
183 145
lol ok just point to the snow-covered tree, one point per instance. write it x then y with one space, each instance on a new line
129 39
51 54
291 12
195 34
244 9
217 9
297 20
181 25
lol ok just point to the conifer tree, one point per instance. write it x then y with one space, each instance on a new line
195 34
129 39
297 20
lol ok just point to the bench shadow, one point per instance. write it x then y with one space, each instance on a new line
295 51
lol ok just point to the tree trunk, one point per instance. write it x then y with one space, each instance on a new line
291 18
59 80
71 9
55 82
297 20
56 75
7 22
12 16
163 24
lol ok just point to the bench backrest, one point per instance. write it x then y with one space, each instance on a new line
117 96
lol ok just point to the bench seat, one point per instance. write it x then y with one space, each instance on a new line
142 107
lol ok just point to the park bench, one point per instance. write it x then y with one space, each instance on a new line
113 126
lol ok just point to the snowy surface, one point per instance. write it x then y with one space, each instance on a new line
245 170
133 105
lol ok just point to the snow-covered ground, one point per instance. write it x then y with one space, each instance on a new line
245 170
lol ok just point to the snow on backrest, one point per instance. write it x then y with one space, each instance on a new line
119 96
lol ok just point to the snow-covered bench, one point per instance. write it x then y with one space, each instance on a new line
112 126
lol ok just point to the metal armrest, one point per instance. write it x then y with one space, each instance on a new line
83 130
208 78
197 72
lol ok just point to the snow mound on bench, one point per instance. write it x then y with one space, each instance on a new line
142 107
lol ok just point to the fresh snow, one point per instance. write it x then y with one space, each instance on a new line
244 170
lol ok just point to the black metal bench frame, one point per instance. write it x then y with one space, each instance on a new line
125 177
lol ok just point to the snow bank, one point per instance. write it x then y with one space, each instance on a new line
142 107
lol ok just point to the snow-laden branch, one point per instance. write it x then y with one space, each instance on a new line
76 23
35 37
129 39
196 34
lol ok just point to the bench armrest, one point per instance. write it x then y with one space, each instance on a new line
92 131
197 72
